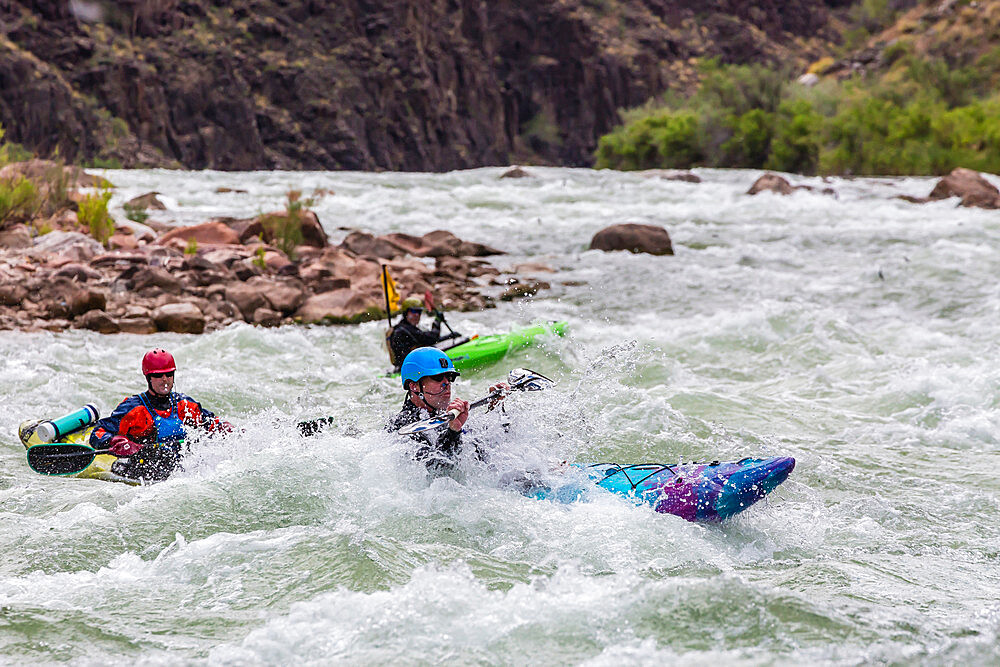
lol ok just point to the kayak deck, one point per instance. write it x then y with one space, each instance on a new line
694 491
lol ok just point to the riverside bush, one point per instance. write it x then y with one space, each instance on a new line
922 117
18 200
93 212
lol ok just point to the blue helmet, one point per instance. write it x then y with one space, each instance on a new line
425 362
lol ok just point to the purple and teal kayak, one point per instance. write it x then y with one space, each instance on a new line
693 491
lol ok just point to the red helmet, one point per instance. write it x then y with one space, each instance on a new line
158 361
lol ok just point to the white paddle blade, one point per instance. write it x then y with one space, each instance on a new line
525 379
428 424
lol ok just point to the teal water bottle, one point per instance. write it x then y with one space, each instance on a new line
51 430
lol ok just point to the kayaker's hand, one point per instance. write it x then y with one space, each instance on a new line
501 389
438 316
462 407
222 426
122 446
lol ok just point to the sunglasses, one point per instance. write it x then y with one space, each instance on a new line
168 374
441 377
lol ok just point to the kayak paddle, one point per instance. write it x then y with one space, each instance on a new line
520 379
429 304
62 458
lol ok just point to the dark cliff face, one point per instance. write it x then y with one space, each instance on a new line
362 84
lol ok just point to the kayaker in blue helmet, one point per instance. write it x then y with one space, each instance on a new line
427 375
146 431
407 335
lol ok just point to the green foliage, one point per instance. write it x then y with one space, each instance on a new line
103 163
795 145
136 213
667 140
258 259
872 15
18 200
750 139
285 230
93 212
923 117
192 247
11 152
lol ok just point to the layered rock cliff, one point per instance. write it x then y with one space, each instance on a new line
364 84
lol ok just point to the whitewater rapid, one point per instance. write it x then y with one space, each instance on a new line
856 332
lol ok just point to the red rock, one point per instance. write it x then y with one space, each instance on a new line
180 318
146 201
155 276
276 260
137 325
266 317
772 183
123 242
97 320
634 238
516 172
205 233
340 307
77 272
16 236
284 295
247 297
12 294
368 245
72 245
968 184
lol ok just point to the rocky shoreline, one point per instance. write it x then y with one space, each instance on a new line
199 278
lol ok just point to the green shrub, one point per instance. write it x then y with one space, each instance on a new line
93 212
258 259
192 247
136 213
923 117
18 200
796 143
750 141
666 140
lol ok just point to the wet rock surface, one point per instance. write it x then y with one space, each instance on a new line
634 238
205 276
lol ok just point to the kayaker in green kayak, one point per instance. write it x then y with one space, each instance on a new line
146 431
408 336
427 374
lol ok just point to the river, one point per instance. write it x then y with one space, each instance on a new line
855 331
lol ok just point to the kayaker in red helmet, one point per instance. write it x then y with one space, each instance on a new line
147 430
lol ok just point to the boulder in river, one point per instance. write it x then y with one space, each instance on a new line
634 238
771 183
970 186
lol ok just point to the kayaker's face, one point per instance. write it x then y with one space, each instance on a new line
413 317
437 391
161 383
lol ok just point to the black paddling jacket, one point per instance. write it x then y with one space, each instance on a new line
438 450
405 338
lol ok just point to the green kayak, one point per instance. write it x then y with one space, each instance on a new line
484 350
479 351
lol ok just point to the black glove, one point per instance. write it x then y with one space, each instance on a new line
438 316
